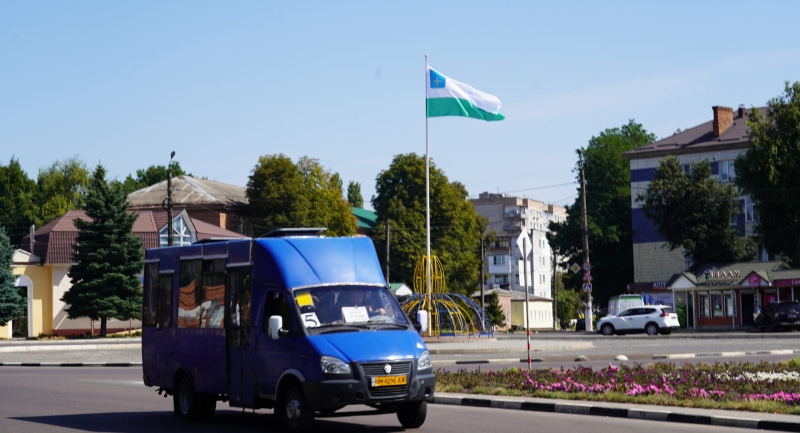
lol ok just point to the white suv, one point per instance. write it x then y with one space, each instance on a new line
651 319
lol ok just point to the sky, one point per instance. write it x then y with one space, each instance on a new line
223 83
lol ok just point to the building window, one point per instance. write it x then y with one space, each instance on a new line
499 260
703 304
180 232
726 171
716 305
729 307
499 243
750 213
501 279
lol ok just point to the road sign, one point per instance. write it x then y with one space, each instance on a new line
587 266
524 240
587 277
575 268
587 287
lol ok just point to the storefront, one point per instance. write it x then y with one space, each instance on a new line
725 297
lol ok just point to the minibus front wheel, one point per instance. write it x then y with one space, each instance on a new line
413 414
296 414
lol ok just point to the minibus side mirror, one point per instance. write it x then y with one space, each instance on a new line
275 324
418 327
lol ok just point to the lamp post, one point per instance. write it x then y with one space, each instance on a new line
170 235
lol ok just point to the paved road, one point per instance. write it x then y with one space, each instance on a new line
47 400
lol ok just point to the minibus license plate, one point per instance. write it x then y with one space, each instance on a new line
388 380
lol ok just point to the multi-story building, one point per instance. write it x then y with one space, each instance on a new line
508 217
718 141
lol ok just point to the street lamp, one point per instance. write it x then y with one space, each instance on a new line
170 235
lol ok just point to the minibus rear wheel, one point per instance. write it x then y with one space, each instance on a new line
413 414
294 410
193 405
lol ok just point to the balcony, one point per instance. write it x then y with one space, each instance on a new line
513 228
515 214
502 269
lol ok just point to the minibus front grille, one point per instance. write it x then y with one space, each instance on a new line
377 369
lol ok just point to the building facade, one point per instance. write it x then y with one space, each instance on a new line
508 217
719 142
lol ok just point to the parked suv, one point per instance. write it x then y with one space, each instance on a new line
651 319
779 315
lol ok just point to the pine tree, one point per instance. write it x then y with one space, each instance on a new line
11 304
107 258
495 312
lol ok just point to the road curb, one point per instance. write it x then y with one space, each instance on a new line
70 364
54 347
725 354
589 408
485 361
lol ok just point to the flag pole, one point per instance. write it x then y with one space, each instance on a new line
428 207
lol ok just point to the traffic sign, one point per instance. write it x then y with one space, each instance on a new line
587 287
587 266
575 268
524 244
587 277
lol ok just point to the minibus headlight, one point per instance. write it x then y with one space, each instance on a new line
331 364
424 361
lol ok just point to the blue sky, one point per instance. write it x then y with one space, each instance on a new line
222 83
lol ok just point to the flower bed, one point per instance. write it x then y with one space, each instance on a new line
765 387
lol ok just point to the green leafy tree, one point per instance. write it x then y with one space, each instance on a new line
17 200
693 211
107 258
608 203
768 173
456 229
61 187
282 194
495 312
151 176
354 198
11 304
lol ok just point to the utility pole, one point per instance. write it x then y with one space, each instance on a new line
555 292
388 233
170 217
483 283
588 317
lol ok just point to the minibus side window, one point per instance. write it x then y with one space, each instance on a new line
150 302
213 294
189 299
164 301
277 304
239 287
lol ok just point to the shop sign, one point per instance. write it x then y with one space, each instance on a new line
660 285
787 282
715 277
754 280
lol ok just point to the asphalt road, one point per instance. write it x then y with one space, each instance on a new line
39 400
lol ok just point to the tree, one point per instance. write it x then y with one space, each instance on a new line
495 312
354 198
11 304
61 187
456 229
608 203
281 195
151 176
693 211
569 300
17 200
767 172
107 258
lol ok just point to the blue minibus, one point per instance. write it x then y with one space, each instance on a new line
302 324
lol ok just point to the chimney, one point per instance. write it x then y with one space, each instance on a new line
723 119
742 111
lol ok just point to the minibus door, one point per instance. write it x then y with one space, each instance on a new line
241 380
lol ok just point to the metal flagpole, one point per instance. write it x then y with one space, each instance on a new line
428 205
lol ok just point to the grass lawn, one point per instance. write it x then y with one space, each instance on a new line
763 387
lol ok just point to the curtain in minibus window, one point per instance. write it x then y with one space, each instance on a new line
190 307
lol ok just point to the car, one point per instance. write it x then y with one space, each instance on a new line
650 319
785 314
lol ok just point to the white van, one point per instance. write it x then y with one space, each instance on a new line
621 303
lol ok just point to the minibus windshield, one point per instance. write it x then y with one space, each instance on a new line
348 305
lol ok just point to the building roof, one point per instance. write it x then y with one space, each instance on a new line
55 239
189 191
515 295
367 219
736 274
699 138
